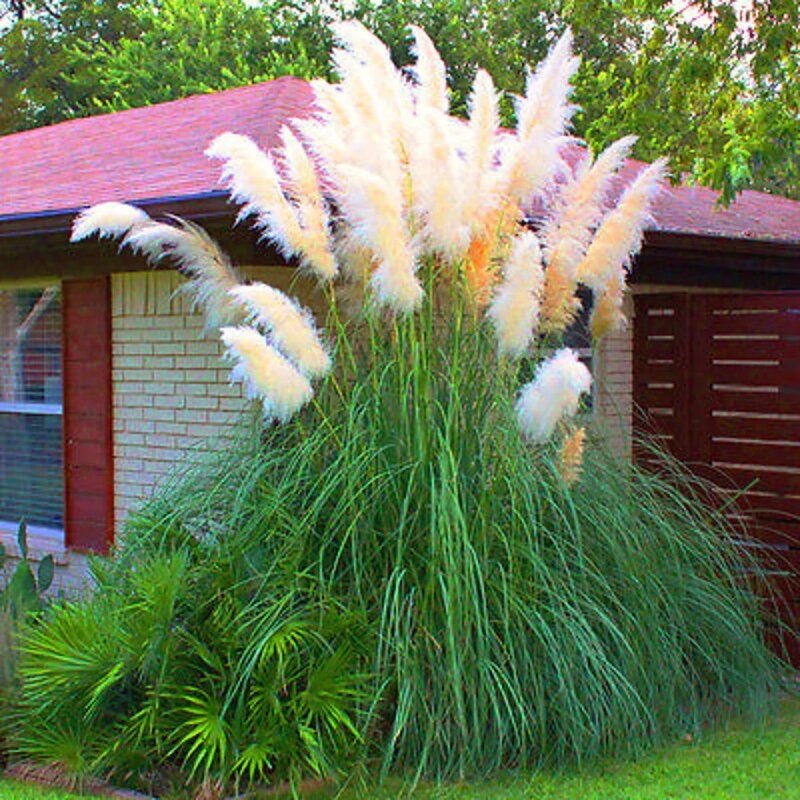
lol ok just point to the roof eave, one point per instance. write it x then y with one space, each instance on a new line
197 207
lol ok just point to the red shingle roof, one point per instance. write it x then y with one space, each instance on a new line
157 152
140 154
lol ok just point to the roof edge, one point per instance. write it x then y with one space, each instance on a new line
194 206
216 205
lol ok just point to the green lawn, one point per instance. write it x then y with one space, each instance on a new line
738 764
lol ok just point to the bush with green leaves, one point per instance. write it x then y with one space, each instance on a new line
22 593
196 657
498 616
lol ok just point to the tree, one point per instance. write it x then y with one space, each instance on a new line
186 47
43 76
717 93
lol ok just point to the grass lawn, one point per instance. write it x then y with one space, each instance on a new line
737 764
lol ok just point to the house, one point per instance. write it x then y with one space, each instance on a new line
106 376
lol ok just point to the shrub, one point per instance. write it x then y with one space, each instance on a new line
21 596
505 618
198 657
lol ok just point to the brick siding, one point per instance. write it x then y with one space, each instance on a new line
613 367
171 390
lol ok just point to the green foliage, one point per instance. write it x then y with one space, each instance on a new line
721 98
735 764
189 47
192 659
24 591
401 529
81 57
22 595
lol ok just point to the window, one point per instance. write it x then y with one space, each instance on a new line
31 477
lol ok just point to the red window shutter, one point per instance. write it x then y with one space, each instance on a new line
88 429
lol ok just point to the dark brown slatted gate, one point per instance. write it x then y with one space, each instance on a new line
717 380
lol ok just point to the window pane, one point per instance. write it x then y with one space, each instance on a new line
30 469
31 480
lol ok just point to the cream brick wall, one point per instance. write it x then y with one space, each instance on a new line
613 369
170 385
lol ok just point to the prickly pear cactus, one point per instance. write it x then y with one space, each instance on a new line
25 589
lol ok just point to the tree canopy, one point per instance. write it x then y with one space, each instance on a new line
714 89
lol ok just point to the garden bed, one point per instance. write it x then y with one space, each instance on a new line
735 764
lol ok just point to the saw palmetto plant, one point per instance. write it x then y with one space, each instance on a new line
423 464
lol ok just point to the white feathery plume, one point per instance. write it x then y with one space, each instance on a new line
330 102
359 92
381 96
289 327
210 272
107 220
620 235
299 170
351 133
368 48
553 394
375 138
430 72
253 181
329 133
325 140
303 184
436 168
481 146
374 209
545 104
579 208
531 158
265 373
484 121
514 310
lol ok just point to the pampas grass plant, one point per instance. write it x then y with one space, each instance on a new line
527 597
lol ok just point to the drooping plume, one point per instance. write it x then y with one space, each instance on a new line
312 210
211 274
374 210
619 238
266 374
107 220
553 394
514 310
620 235
289 328
254 181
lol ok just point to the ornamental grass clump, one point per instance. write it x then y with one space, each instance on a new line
522 596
